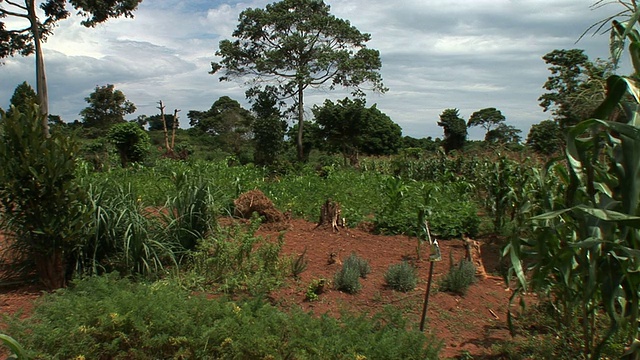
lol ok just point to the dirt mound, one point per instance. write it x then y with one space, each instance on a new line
256 201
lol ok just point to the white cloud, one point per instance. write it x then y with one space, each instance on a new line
436 54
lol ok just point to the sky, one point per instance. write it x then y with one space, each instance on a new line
436 55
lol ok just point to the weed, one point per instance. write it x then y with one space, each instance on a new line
315 288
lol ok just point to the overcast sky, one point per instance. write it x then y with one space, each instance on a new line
436 54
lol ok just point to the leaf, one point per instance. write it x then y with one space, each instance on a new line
15 347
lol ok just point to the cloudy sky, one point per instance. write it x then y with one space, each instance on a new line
436 54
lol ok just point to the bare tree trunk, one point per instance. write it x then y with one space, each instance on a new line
175 126
300 123
51 269
164 127
41 77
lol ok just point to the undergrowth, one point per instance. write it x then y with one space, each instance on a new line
107 317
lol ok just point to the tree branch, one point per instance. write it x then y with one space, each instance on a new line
16 5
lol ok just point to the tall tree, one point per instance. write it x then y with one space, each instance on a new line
107 106
23 99
545 137
297 44
503 134
486 118
576 86
27 40
268 128
455 129
349 127
227 121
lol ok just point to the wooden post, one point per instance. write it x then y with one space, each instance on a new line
175 126
164 126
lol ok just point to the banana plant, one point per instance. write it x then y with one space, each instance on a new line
586 255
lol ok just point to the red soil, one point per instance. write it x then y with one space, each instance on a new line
469 323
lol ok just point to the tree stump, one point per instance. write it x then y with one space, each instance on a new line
472 253
330 216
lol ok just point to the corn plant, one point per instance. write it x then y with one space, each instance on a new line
18 352
586 254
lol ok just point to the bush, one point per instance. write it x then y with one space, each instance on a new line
348 278
111 318
401 277
459 277
43 207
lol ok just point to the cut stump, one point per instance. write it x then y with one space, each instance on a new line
330 216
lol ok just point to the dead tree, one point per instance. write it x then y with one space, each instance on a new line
330 216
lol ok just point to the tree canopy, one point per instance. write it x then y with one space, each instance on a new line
227 121
576 86
296 44
23 99
545 137
349 127
487 118
107 106
27 39
268 128
455 129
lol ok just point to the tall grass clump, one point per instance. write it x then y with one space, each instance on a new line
124 235
190 214
111 318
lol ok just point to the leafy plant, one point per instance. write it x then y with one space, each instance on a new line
113 318
131 141
459 277
18 352
585 254
44 208
299 265
315 288
401 277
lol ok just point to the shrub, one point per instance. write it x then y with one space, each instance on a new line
348 278
43 206
131 141
401 277
111 318
459 277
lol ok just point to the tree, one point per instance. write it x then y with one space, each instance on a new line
131 141
545 137
576 86
350 127
268 128
227 121
106 108
23 99
503 134
486 118
155 122
298 44
27 40
455 129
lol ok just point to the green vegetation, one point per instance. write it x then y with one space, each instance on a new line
401 277
348 278
113 318
459 277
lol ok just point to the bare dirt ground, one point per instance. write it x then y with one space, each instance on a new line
467 325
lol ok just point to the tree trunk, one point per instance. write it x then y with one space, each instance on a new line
300 123
330 215
51 269
41 77
473 254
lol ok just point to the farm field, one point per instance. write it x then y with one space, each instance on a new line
468 324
